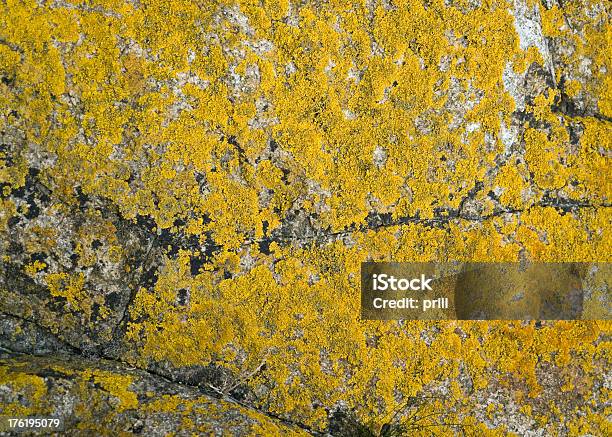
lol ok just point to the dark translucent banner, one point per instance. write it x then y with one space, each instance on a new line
485 291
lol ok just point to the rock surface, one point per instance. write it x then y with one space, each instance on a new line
188 188
101 397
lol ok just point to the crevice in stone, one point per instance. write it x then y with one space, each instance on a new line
76 352
443 218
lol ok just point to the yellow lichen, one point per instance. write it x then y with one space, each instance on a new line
226 123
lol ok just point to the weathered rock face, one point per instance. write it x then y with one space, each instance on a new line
187 190
100 397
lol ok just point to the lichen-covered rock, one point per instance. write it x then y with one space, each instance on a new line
189 188
99 397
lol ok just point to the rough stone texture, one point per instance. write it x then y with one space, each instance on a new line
188 188
100 397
